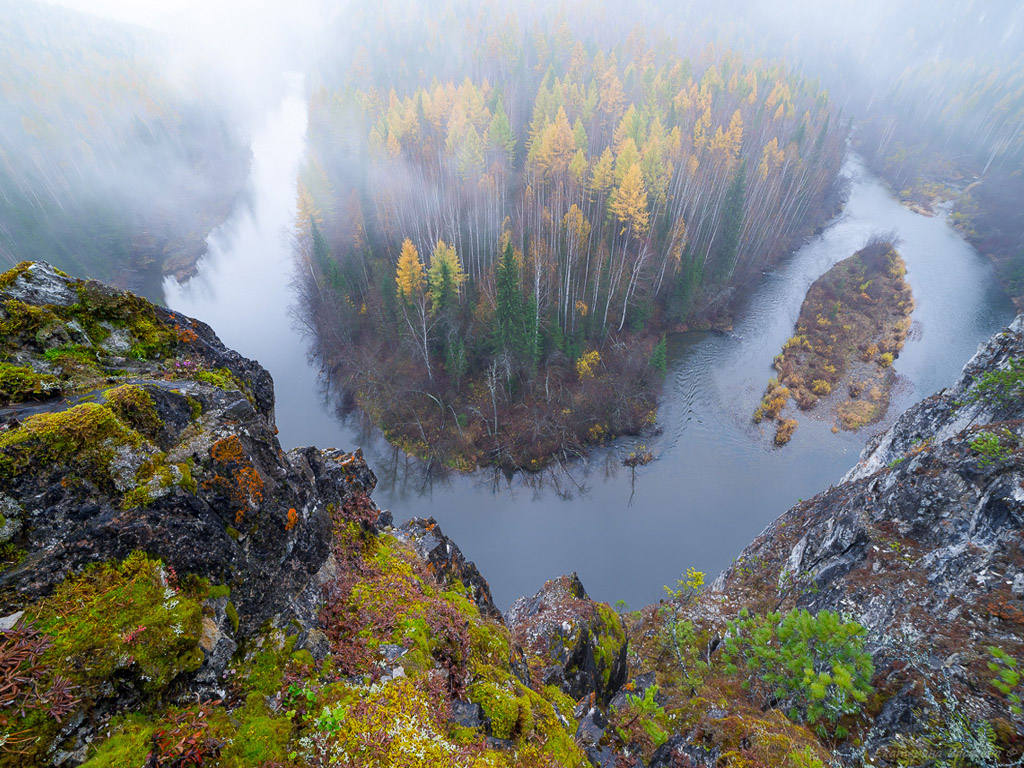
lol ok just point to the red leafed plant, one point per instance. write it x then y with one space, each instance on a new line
26 682
184 742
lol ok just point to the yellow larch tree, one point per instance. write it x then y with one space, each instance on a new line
629 204
409 273
412 283
603 176
445 277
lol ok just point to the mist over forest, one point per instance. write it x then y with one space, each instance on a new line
132 133
602 288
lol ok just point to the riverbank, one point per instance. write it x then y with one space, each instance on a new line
979 202
622 531
559 413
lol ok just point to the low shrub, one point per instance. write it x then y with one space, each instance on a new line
813 667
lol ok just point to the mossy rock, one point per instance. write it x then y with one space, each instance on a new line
135 407
19 384
84 439
250 736
129 622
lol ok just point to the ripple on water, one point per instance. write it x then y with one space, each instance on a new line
717 480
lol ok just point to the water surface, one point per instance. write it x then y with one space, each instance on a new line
717 480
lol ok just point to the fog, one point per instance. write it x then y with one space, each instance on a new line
125 133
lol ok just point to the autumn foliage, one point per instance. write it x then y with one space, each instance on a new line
542 196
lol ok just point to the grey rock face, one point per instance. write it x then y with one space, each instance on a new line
921 543
42 284
583 644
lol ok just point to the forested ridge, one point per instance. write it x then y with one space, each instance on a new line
536 209
954 130
936 95
106 169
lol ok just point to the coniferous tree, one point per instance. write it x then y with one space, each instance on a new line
510 312
412 294
445 278
500 135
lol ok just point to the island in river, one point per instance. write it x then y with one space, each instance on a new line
852 326
490 280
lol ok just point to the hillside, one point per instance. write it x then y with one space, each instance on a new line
177 590
109 165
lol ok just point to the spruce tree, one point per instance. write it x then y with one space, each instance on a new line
510 311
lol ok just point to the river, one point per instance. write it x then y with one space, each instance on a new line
717 479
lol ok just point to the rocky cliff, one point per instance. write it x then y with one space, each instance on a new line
177 590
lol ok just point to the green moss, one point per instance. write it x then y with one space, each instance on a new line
10 556
18 384
154 477
94 623
123 620
508 713
71 353
234 533
251 736
219 591
195 407
24 322
489 642
412 632
303 657
78 365
560 700
519 713
221 378
82 438
187 481
136 498
263 666
152 339
135 407
12 274
259 739
609 639
130 743
232 614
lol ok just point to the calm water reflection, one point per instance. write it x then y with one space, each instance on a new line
717 480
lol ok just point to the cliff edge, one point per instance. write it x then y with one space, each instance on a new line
177 590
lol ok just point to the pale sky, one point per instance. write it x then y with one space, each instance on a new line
150 13
187 16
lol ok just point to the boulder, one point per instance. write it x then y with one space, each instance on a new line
579 645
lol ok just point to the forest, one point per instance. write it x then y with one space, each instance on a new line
954 131
107 169
492 285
